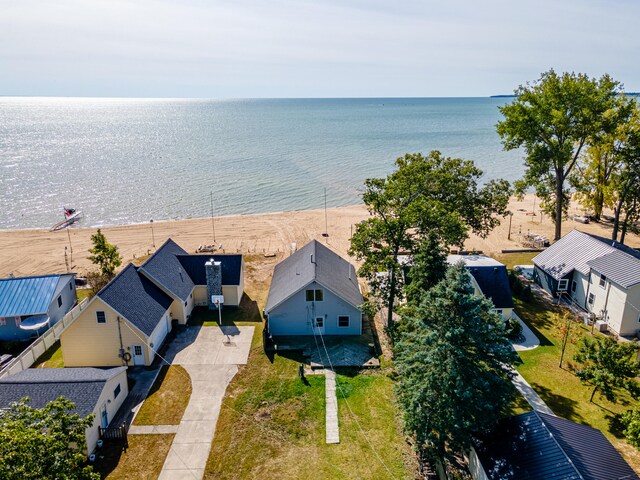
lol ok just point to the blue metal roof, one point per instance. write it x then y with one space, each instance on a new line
27 295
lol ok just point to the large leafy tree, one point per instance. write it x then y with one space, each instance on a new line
433 199
608 366
554 119
105 255
453 359
47 442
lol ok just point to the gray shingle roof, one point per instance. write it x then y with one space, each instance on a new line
536 446
83 386
194 266
490 275
571 252
136 298
329 269
619 267
165 268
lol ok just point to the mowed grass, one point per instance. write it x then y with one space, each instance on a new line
559 387
167 399
143 459
52 358
272 424
513 259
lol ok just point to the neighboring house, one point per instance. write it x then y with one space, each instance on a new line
536 446
92 390
314 292
30 305
598 275
129 319
489 278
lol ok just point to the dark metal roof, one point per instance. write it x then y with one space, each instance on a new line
619 267
490 275
136 298
83 386
194 266
167 271
328 269
536 446
28 295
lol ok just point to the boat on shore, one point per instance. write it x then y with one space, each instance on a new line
70 216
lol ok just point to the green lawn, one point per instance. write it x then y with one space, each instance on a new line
560 388
83 293
167 399
513 259
272 425
52 358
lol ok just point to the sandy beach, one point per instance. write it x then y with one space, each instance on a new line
33 252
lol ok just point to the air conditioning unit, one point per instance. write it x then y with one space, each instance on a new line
601 326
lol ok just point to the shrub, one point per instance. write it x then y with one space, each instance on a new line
630 421
514 328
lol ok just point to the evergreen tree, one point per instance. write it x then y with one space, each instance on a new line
454 364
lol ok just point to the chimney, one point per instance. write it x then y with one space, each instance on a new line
213 272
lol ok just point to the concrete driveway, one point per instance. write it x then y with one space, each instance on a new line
211 356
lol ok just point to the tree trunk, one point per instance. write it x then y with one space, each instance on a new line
593 394
616 220
392 296
559 198
599 203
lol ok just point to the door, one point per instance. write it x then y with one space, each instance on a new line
137 355
318 326
104 419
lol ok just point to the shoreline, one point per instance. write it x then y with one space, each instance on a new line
39 251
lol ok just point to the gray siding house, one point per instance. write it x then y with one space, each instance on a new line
314 292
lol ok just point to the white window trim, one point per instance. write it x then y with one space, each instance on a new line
315 322
348 321
563 284
591 299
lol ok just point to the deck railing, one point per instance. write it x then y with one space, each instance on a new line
45 341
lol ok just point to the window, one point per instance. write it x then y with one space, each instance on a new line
498 311
70 285
574 285
3 321
101 317
343 320
59 301
185 304
116 392
314 295
563 284
137 350
592 299
603 280
319 322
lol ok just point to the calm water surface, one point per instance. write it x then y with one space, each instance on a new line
131 160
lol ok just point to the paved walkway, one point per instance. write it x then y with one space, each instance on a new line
211 356
530 340
530 394
144 378
332 431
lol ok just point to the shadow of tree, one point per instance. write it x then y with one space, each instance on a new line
562 406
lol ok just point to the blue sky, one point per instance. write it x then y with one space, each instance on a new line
324 48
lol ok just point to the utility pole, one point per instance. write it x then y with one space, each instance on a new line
70 246
326 233
510 218
153 237
213 223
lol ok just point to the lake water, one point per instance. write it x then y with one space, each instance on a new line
126 161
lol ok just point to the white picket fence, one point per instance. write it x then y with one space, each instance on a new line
42 343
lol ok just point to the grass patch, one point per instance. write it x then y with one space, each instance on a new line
82 293
167 399
559 387
143 459
52 358
272 425
513 259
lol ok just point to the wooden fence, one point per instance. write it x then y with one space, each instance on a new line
29 356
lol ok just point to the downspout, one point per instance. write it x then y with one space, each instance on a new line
605 312
586 295
121 353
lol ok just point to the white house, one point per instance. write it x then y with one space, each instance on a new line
92 390
598 275
314 292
